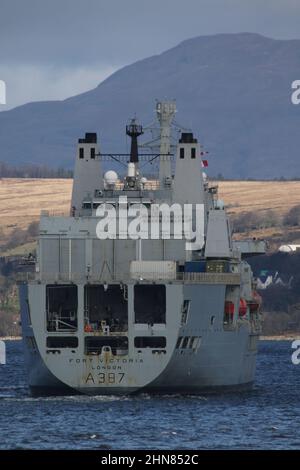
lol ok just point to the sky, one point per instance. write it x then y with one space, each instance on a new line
53 49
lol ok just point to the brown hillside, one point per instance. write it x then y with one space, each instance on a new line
21 200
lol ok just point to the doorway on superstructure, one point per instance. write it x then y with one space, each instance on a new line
106 308
61 307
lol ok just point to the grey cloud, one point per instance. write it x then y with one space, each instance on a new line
118 32
81 38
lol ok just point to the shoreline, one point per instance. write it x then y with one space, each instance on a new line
286 337
10 338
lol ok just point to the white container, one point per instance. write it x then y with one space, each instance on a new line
153 270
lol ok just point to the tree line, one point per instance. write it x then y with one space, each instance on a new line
259 220
33 171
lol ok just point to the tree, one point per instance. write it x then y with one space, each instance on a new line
292 218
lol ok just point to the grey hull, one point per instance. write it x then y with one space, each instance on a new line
225 360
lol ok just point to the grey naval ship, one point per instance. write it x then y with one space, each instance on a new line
118 315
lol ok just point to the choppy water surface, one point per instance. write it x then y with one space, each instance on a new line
266 418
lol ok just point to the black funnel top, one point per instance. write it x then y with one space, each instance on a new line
90 138
187 138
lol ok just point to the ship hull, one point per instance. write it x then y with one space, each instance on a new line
223 360
43 383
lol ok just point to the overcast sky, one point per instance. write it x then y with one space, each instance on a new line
52 49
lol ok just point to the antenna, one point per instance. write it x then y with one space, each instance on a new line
165 112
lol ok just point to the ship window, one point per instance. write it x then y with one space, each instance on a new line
61 307
178 342
86 205
81 152
150 303
105 308
185 342
150 342
62 342
181 152
185 311
118 345
93 153
195 342
193 152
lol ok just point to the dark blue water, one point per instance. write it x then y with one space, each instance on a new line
266 418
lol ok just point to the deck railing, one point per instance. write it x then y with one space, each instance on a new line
193 278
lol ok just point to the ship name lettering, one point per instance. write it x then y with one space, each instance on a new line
101 367
113 362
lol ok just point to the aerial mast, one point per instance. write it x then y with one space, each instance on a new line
165 111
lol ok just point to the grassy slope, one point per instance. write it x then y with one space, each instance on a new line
21 200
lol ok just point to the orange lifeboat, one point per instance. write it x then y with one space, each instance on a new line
229 308
242 308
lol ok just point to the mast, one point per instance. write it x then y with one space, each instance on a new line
165 111
133 130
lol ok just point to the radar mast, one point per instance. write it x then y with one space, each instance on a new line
165 112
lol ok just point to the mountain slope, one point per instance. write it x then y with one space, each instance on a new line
233 90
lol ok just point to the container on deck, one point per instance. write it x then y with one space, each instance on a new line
195 267
153 270
217 266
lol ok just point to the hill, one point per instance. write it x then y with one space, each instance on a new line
233 90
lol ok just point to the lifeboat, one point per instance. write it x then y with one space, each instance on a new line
88 328
229 308
242 308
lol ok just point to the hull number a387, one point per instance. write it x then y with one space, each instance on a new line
105 378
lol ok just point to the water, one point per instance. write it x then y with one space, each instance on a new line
268 417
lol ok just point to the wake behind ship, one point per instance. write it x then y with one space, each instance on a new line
159 314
